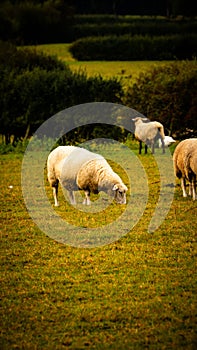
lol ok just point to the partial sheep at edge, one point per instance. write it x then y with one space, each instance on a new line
185 165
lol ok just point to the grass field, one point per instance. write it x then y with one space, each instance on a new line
128 71
136 293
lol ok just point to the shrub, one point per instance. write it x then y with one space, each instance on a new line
30 23
6 148
19 59
31 93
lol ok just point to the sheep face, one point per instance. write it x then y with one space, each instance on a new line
119 194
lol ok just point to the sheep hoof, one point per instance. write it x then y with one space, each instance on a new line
85 202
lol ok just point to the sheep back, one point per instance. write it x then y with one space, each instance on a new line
71 167
97 175
185 158
148 131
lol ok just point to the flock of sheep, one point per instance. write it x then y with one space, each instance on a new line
76 168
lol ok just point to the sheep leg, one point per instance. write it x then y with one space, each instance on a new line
55 195
153 147
183 184
163 146
71 197
192 185
194 188
140 147
190 188
87 198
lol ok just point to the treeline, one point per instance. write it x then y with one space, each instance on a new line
38 22
141 7
124 7
34 87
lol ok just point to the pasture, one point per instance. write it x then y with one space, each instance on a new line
136 293
127 71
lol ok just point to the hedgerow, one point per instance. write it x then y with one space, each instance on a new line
138 47
85 26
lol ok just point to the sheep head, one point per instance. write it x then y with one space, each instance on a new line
119 191
140 120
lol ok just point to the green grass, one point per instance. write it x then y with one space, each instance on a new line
126 70
136 293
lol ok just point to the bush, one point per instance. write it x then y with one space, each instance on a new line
6 148
128 48
30 23
168 94
19 59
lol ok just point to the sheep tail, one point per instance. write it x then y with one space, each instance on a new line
160 129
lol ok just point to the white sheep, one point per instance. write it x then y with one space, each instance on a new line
168 140
149 133
79 169
185 165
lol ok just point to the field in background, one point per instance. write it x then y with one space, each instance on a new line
136 293
127 70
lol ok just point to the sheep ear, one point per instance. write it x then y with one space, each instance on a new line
115 187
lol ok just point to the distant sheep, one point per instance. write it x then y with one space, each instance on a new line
149 133
79 169
185 165
168 140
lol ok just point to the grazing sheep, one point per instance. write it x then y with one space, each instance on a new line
149 133
78 169
168 140
185 165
